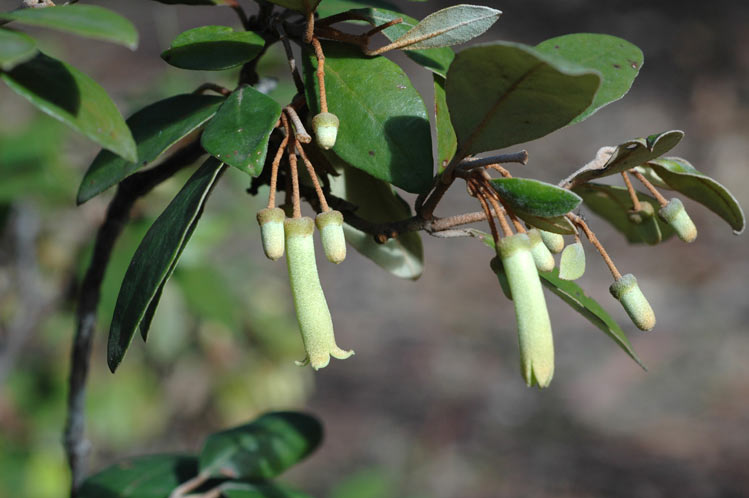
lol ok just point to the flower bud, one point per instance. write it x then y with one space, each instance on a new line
541 254
534 326
572 262
325 126
271 231
330 224
675 215
646 224
554 241
498 269
312 312
627 292
645 212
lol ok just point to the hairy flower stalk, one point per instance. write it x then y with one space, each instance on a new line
554 241
312 311
675 215
271 231
541 254
534 326
325 126
627 292
330 224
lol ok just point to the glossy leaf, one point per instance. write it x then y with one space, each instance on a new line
681 176
155 257
298 5
213 48
266 490
613 203
90 21
70 96
626 156
238 134
617 60
15 48
524 195
376 202
384 127
504 93
450 26
572 262
153 476
155 129
261 449
447 142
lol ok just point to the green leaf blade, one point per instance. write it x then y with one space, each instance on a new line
447 142
213 48
450 26
15 48
536 198
267 490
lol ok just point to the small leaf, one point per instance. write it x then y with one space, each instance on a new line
572 262
213 48
504 93
556 224
298 5
83 20
376 202
588 307
626 156
617 60
681 176
447 142
155 258
262 449
153 476
449 26
524 195
613 204
155 128
238 134
384 129
70 96
15 48
266 490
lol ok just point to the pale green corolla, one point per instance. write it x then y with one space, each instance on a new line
554 241
627 292
675 215
541 254
325 126
271 231
330 224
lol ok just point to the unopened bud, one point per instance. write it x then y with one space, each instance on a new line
271 231
325 126
646 224
554 241
330 224
572 262
627 292
541 254
675 215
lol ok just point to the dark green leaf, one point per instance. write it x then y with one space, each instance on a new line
534 197
625 157
681 176
15 48
196 2
153 476
155 128
447 142
83 20
268 490
504 93
332 7
384 126
450 26
376 202
262 449
238 134
617 60
613 204
70 96
298 5
155 258
213 48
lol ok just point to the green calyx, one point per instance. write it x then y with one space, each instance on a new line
272 231
554 241
534 326
627 292
330 224
675 215
541 254
325 126
312 313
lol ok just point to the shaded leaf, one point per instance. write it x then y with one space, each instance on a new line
450 26
447 142
213 48
238 134
572 262
15 48
90 21
155 128
155 257
504 93
555 224
536 198
266 490
681 176
261 449
153 476
384 128
626 156
196 2
331 7
298 5
617 60
70 96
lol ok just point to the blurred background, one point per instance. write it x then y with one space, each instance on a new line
432 405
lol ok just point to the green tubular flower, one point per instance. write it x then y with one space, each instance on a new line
271 231
312 311
541 254
627 292
325 126
554 241
330 224
675 215
534 326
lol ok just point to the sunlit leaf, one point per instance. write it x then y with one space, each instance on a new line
534 197
450 26
15 48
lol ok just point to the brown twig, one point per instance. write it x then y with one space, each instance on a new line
313 175
295 201
632 193
320 73
659 197
298 83
213 87
276 162
515 157
594 240
300 132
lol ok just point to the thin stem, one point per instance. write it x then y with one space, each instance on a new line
295 202
659 197
309 33
632 194
298 83
382 27
313 175
213 87
514 157
594 240
493 199
188 486
241 14
489 217
276 162
320 73
502 171
300 132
